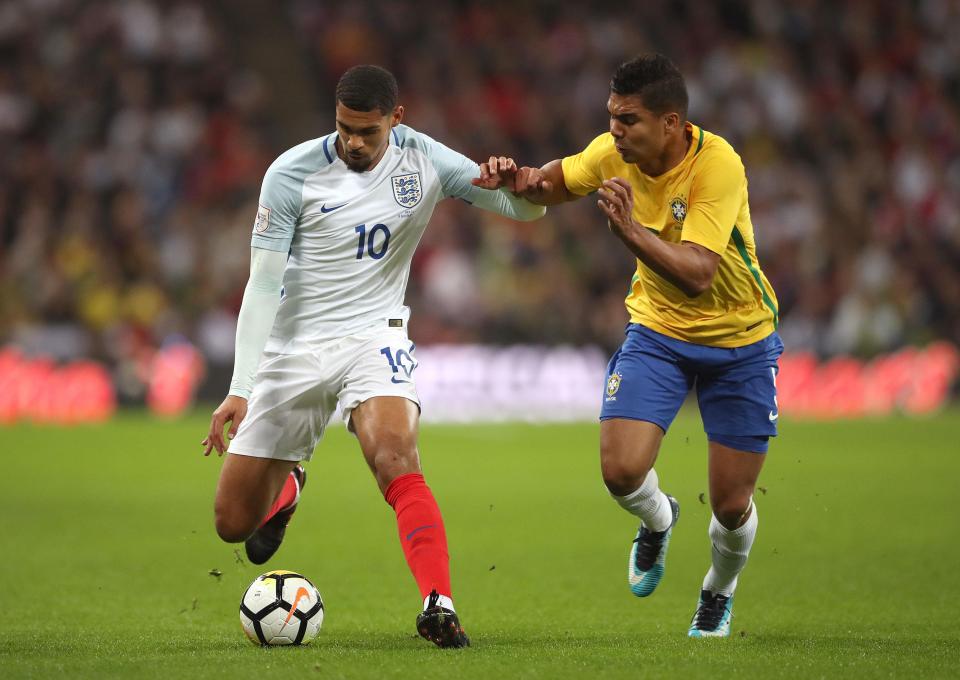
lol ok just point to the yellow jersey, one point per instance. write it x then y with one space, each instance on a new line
702 200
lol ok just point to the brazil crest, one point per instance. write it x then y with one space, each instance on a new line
678 208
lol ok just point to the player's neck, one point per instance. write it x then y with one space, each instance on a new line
673 154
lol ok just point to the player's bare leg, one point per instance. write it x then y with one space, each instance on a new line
628 450
733 477
247 488
387 429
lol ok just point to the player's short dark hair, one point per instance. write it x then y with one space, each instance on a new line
656 80
368 87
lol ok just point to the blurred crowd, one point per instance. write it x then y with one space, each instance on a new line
133 146
134 136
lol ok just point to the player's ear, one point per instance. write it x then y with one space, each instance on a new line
396 116
671 121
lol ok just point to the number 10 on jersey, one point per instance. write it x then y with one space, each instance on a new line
367 241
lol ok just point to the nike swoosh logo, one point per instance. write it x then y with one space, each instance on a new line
394 380
325 209
301 592
425 526
773 416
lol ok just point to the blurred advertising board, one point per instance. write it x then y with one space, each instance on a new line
476 383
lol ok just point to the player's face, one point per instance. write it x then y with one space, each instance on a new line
363 136
640 134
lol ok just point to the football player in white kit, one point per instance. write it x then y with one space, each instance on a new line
323 322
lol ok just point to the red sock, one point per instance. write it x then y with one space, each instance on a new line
422 535
288 494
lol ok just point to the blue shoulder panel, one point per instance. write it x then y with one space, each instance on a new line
281 194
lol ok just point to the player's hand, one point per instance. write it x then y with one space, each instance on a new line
233 410
532 184
616 202
497 172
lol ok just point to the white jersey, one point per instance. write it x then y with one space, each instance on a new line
350 236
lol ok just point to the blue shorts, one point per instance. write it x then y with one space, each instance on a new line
650 375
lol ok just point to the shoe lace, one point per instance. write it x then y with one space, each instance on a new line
710 612
434 598
648 547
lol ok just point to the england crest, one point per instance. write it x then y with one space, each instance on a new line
406 189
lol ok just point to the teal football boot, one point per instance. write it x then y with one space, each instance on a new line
649 555
713 615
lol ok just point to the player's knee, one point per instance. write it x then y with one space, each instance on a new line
620 475
233 526
624 462
730 510
393 456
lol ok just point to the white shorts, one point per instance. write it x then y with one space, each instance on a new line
295 395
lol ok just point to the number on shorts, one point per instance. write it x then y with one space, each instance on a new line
399 361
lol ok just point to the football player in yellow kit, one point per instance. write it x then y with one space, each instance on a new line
702 315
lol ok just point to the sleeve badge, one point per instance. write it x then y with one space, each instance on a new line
262 223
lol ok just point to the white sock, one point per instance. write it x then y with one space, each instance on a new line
443 601
730 552
648 503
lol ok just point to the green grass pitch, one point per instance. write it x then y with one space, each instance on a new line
107 544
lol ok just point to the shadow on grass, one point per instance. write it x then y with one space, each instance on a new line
88 645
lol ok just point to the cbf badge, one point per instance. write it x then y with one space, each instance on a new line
678 207
406 189
613 384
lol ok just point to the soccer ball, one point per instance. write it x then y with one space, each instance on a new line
281 608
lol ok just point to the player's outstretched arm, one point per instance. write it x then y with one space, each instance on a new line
543 186
490 186
487 185
499 172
